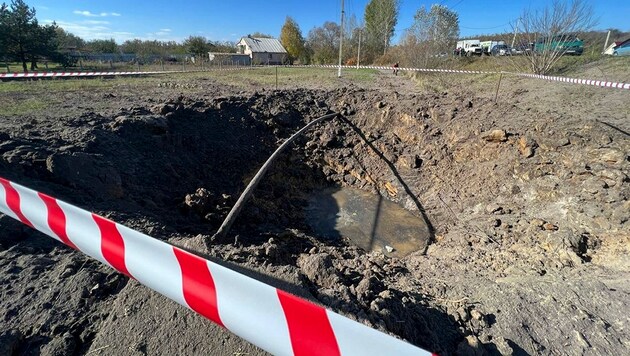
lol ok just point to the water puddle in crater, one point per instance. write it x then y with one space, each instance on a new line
368 220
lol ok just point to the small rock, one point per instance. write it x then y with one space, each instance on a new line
593 185
611 156
495 136
410 161
527 152
536 222
200 201
563 141
503 346
162 109
380 105
550 227
368 287
526 146
463 314
389 249
493 208
471 346
318 268
476 314
95 288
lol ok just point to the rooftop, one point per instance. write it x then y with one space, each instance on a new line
271 45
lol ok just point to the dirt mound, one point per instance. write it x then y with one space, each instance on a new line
524 210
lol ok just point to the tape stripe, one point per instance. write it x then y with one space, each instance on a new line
13 201
266 324
198 285
112 244
56 219
316 334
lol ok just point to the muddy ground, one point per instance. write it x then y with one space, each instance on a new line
528 209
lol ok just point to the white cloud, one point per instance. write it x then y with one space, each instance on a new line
90 31
90 14
165 30
95 22
84 13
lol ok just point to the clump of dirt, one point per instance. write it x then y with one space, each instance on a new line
514 200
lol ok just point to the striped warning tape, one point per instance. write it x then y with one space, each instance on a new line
272 319
100 74
434 70
598 83
72 74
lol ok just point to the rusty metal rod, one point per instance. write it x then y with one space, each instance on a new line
247 193
496 94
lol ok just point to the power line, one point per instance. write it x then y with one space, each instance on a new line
459 2
485 28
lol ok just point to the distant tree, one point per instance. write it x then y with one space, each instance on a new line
323 43
292 40
67 41
102 46
381 17
223 47
4 31
45 45
433 32
197 45
20 29
260 35
547 28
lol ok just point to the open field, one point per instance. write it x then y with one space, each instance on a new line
526 201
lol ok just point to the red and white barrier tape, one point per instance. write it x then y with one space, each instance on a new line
99 74
598 83
272 319
72 74
433 70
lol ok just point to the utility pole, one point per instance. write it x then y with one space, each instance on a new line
340 42
518 22
607 38
359 51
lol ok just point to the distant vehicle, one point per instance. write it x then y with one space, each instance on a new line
468 48
501 50
623 49
487 46
567 44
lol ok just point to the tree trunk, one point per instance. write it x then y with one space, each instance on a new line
23 59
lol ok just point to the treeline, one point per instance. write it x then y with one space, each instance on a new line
142 48
321 45
434 30
433 34
24 40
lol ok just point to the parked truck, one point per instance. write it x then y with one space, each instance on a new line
468 48
565 44
487 46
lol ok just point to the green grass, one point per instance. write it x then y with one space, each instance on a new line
23 106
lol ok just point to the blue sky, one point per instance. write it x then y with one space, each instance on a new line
228 20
